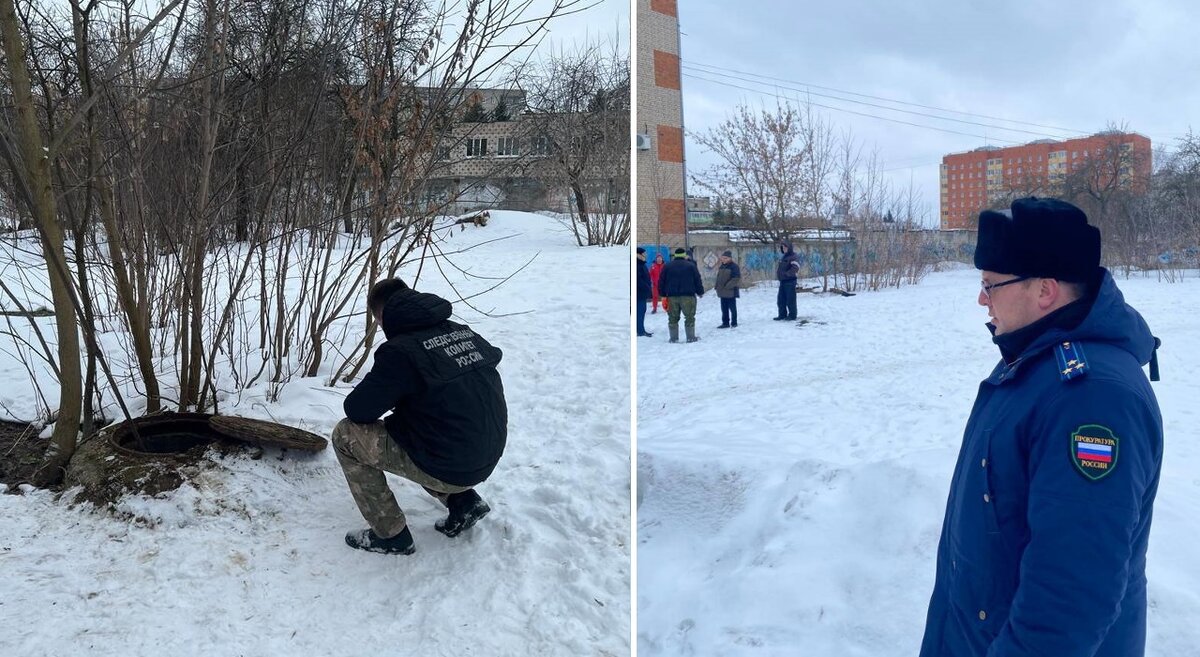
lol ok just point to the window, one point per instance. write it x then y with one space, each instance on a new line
507 146
443 153
540 145
477 147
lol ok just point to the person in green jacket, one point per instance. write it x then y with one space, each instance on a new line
729 279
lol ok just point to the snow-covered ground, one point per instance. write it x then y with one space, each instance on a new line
793 479
250 560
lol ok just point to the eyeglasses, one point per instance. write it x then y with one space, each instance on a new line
987 289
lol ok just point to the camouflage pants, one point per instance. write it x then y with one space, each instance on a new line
685 305
366 451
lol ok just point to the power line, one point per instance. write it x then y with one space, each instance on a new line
849 111
889 109
889 100
699 66
724 81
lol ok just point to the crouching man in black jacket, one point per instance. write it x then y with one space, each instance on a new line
448 425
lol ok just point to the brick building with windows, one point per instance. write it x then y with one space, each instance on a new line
488 164
974 180
661 210
500 161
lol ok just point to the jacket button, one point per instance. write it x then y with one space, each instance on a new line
986 498
983 464
982 615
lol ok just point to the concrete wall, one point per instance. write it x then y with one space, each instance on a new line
816 257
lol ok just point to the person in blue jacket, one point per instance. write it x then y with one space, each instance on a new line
1043 546
645 289
680 282
786 272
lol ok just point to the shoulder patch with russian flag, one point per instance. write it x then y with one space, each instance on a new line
1094 450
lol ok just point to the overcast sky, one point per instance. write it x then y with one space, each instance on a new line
1069 66
600 21
584 22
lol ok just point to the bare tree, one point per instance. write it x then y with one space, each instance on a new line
1108 185
775 162
33 168
578 128
215 186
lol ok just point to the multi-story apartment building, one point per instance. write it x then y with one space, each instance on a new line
496 158
974 180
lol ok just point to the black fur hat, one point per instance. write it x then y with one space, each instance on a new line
1042 237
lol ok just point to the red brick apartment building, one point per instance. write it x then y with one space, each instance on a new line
971 181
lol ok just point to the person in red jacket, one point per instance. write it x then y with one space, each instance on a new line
655 272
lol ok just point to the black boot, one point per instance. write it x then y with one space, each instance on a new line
724 326
466 509
367 539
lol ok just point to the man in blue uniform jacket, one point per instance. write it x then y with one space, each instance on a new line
1043 547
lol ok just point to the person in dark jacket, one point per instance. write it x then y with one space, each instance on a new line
1043 546
729 279
786 271
448 423
680 283
644 291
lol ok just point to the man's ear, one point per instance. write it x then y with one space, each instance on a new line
1049 293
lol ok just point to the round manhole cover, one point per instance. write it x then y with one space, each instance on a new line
261 432
165 433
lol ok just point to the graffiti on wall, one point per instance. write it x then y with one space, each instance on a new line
760 259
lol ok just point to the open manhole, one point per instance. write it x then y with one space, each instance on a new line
176 433
166 433
166 450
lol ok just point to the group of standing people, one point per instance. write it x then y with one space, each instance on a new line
679 286
679 283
